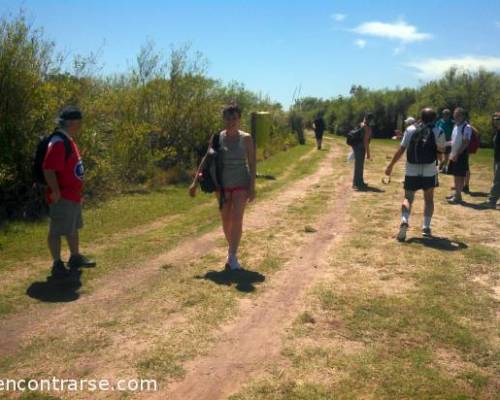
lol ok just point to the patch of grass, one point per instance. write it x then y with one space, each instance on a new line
161 366
306 318
289 390
38 396
482 254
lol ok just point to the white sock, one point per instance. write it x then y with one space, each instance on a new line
405 216
427 221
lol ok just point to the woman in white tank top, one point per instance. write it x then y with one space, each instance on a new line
238 180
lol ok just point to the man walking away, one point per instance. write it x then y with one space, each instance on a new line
495 189
63 172
459 156
319 129
421 142
445 123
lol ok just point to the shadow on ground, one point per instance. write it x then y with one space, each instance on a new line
477 206
439 243
56 290
243 279
478 194
373 189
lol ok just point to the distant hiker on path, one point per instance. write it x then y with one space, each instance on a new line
238 164
459 155
495 189
319 129
421 142
63 172
361 149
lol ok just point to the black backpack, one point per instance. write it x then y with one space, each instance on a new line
422 148
355 136
211 171
41 151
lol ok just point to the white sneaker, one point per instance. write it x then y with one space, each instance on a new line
233 262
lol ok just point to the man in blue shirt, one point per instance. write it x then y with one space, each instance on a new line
445 123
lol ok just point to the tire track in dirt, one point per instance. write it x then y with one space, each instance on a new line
111 295
253 340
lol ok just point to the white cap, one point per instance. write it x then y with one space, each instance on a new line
409 121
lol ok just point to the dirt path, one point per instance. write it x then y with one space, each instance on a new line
253 340
112 294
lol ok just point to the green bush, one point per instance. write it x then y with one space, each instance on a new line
478 92
147 126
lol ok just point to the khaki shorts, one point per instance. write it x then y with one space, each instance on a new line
65 218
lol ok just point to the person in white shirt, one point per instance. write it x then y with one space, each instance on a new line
421 141
459 156
407 122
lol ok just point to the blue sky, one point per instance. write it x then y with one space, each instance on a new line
274 47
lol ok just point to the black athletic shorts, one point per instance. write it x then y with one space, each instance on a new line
319 135
461 166
414 183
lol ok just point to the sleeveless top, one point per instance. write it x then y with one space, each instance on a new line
235 171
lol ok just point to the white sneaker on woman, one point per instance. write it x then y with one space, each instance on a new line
233 262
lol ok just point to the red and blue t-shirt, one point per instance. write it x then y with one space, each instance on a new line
69 170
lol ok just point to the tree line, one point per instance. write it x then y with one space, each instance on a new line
478 92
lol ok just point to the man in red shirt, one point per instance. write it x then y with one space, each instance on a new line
63 171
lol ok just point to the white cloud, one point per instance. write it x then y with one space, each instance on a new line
400 30
339 17
360 43
435 67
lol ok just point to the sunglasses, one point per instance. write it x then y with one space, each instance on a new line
231 117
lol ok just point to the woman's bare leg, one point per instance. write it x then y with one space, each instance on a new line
239 201
226 218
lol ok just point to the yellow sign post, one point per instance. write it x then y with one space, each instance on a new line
261 127
261 132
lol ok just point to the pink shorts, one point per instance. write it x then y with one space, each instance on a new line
231 190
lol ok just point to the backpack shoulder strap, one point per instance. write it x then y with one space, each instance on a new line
214 142
463 127
419 128
67 144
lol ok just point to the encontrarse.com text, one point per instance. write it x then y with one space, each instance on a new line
76 385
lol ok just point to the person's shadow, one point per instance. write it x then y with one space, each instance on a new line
243 279
477 206
372 189
439 243
478 194
56 290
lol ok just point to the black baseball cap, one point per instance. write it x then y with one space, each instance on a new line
70 113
